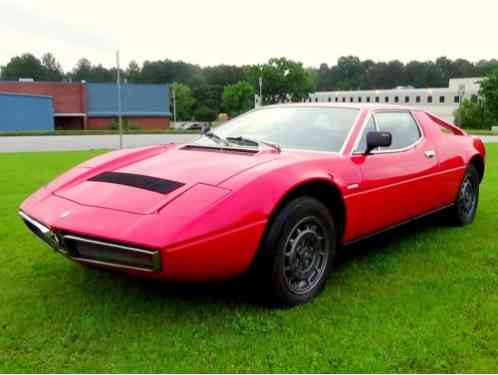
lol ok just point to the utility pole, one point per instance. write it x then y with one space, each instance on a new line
120 119
173 93
261 91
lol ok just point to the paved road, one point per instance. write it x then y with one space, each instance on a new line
88 142
489 138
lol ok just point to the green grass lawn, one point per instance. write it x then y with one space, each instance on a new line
423 298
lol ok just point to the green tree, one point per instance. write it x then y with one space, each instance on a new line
204 113
224 74
473 115
238 98
82 70
184 101
167 71
210 96
283 80
133 72
53 70
24 66
489 91
85 71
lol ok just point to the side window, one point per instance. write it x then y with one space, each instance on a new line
401 125
369 127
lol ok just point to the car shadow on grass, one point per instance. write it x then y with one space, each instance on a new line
245 292
390 240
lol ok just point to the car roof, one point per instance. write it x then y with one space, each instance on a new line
359 106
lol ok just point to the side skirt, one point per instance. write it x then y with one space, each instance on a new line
397 225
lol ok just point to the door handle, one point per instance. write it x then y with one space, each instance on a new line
430 154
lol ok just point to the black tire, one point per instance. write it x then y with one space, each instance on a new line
465 207
299 244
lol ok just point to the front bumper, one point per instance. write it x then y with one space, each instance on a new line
95 251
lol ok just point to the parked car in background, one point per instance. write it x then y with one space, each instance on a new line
280 189
190 125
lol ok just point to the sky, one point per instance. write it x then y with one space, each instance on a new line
212 32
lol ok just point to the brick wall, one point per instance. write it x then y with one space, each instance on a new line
142 122
67 97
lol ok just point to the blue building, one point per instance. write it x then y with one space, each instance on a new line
19 112
143 105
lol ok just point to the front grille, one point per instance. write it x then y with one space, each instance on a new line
94 251
97 252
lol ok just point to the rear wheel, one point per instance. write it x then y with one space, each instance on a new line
298 251
465 207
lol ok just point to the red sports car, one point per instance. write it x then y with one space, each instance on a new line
280 188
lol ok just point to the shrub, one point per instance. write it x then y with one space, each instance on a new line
127 125
473 115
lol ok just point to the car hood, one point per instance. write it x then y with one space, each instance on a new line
134 187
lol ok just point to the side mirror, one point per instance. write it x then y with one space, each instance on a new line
378 139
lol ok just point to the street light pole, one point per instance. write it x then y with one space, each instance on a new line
118 82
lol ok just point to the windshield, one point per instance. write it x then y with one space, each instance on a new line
308 128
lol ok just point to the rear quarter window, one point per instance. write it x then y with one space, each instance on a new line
444 126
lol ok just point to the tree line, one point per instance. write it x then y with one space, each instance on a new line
203 92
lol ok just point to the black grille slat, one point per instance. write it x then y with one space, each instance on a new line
111 255
155 184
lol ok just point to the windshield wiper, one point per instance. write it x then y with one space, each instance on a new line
253 142
217 139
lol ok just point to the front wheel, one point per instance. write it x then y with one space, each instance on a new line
299 248
465 207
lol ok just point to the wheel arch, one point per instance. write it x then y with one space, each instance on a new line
325 191
478 162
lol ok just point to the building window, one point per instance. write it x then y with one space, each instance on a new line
417 99
396 99
377 99
441 99
336 99
429 99
343 99
386 99
330 99
351 99
359 99
456 99
316 100
368 99
407 99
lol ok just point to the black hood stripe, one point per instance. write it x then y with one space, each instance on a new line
155 184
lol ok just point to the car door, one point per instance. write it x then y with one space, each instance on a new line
395 182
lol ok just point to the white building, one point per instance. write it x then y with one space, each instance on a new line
440 101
